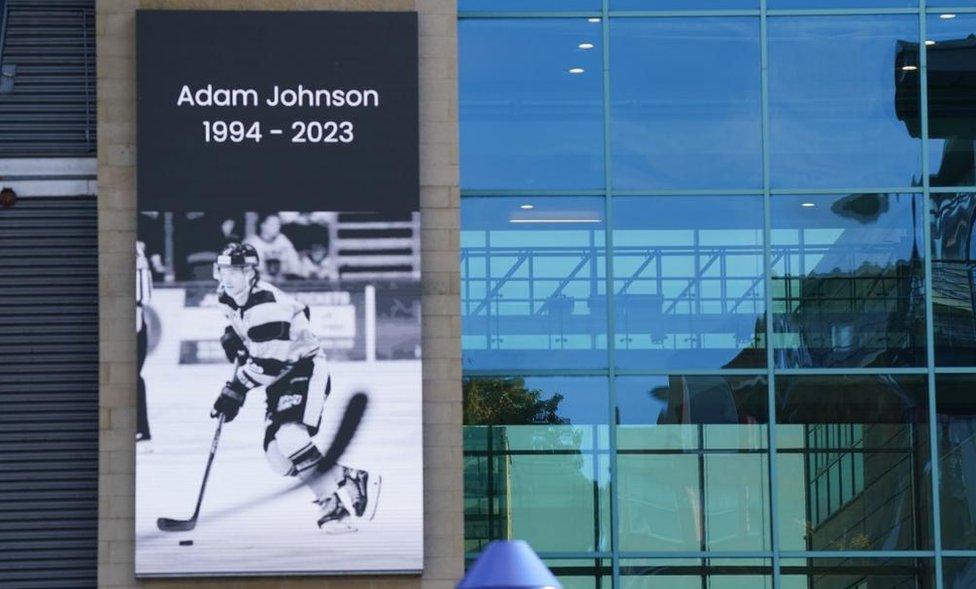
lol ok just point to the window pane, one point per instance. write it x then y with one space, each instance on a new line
688 282
528 5
857 573
956 406
848 280
526 120
832 103
952 113
533 282
888 417
959 573
686 103
536 462
953 278
582 574
712 573
693 463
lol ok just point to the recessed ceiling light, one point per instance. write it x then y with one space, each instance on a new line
576 70
947 16
909 68
594 19
527 207
930 43
808 204
586 45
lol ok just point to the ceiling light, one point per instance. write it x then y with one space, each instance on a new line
576 70
808 205
947 16
930 43
594 19
586 45
909 68
527 207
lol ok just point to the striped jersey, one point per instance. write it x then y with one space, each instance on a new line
275 329
144 283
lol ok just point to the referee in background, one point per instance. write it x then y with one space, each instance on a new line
144 284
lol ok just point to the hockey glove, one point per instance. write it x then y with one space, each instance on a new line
229 401
233 345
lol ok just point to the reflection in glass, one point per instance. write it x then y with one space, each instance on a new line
959 573
832 103
533 282
693 463
857 573
693 119
853 463
952 100
848 287
689 573
582 574
526 119
536 465
956 411
953 278
688 282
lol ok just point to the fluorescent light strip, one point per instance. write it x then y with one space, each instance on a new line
555 221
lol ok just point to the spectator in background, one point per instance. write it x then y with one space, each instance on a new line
317 264
279 259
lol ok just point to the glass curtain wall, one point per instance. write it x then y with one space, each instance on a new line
718 289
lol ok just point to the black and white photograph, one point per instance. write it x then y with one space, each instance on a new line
279 393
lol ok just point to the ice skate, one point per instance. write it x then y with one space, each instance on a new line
364 491
335 517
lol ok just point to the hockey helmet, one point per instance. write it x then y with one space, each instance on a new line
236 255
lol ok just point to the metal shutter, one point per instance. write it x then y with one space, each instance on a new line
49 393
51 109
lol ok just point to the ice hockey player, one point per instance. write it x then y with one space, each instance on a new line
270 340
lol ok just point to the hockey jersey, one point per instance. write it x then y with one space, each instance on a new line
275 329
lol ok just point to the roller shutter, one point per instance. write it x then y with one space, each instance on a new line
49 393
47 51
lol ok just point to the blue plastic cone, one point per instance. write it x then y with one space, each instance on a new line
509 564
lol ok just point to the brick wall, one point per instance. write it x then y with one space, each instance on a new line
439 195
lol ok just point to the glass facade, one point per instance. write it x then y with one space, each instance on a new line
718 290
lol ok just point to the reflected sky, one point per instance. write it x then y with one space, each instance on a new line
686 103
528 5
832 103
531 103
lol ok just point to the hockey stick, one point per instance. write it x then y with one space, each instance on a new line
183 525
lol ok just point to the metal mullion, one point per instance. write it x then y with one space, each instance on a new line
839 11
929 304
527 193
951 10
472 14
848 371
859 554
951 189
681 13
682 372
959 553
613 495
540 372
768 294
689 192
956 370
845 191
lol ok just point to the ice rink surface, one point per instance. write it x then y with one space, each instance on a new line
254 521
